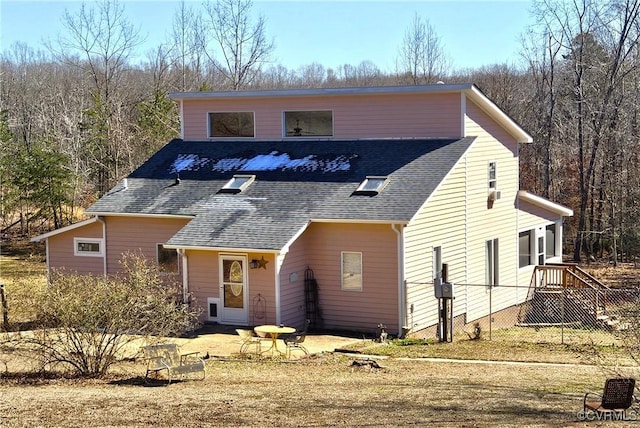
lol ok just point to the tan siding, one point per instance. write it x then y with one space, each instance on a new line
367 116
489 222
378 301
440 223
61 251
137 235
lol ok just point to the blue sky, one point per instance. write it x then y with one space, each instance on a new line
330 32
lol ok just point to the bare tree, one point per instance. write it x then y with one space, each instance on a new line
187 47
422 57
242 45
105 40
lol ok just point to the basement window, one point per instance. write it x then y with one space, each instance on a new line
371 186
237 184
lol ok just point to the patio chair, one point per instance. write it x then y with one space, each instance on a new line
294 341
248 339
167 357
616 398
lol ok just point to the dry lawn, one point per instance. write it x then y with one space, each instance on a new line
320 391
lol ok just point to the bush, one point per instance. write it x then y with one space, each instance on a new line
85 322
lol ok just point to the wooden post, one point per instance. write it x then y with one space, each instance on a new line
5 310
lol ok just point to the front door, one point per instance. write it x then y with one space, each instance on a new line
233 289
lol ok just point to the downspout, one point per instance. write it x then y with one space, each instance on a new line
279 262
185 275
104 243
402 292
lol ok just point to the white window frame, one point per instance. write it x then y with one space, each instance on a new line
492 182
492 262
530 250
366 187
344 285
210 129
80 253
237 183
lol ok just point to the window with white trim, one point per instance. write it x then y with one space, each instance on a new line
308 123
492 175
371 186
351 271
524 248
88 247
492 276
231 124
167 259
550 241
237 184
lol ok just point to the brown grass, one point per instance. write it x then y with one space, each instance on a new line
325 390
321 391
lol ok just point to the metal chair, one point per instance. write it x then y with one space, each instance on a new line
248 339
294 341
616 398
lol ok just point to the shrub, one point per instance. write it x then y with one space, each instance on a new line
85 322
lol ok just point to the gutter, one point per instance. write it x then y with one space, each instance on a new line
185 274
104 242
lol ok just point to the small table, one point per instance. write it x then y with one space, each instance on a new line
274 331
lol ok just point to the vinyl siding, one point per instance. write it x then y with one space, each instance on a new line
440 223
292 283
204 282
365 116
378 301
61 251
487 222
138 235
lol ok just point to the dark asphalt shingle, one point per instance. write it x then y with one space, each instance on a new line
296 181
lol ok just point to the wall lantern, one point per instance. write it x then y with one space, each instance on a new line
253 264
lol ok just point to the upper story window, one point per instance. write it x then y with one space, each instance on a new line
493 182
371 186
308 123
231 124
237 184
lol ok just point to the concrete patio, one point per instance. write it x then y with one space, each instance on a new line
223 341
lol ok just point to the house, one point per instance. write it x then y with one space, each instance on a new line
340 205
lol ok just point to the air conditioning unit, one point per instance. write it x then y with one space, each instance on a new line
494 194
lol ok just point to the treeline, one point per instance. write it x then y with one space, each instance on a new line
78 114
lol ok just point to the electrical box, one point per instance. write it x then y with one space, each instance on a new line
442 290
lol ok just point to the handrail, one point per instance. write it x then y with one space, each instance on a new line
579 274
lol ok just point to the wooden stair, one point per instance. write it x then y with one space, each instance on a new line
564 293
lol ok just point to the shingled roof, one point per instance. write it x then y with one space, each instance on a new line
296 182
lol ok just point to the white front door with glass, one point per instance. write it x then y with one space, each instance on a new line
233 289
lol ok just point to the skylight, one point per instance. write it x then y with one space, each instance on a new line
237 184
371 186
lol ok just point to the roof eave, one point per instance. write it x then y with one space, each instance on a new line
64 229
504 119
544 203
